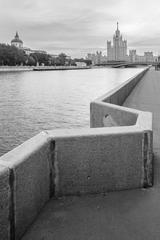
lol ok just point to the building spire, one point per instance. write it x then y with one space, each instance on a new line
117 32
16 36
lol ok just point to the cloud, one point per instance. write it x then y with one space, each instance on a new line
80 26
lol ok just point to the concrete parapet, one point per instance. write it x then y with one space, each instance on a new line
29 166
98 162
120 93
104 113
104 110
69 161
5 200
110 115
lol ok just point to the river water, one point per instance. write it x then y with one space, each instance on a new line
34 101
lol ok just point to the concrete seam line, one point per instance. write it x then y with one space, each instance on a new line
53 165
52 168
143 168
147 159
56 168
5 197
12 204
149 155
11 200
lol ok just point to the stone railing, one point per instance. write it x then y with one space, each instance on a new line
71 162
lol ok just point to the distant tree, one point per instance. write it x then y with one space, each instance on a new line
72 62
53 61
88 62
31 61
10 55
41 58
79 59
62 59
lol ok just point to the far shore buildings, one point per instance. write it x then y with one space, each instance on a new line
147 57
17 42
97 58
117 51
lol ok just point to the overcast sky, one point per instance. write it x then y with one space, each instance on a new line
80 26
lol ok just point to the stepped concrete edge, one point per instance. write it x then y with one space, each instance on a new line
114 154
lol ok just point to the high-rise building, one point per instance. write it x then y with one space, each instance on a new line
117 51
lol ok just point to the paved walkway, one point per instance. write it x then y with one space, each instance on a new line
146 97
131 215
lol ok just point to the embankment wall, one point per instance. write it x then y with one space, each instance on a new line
15 68
115 154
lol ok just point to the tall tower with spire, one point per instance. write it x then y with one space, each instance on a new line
117 32
117 51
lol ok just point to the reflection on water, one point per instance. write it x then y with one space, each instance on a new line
34 101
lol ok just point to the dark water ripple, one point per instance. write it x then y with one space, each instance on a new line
34 101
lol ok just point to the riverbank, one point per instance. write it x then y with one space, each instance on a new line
40 68
54 68
15 68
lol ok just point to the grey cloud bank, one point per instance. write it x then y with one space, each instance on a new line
78 27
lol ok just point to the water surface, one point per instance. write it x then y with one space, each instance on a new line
34 101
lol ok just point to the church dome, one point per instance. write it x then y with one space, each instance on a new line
17 39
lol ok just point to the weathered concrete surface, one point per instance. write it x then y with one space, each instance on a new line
127 215
103 114
30 166
99 163
5 201
108 115
119 94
